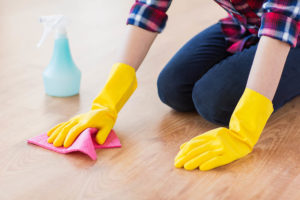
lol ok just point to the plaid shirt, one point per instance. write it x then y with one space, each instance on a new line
247 20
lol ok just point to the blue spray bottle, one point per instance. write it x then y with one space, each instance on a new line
61 77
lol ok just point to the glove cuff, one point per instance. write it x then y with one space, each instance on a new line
119 87
250 116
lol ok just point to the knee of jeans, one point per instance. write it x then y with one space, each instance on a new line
172 94
210 106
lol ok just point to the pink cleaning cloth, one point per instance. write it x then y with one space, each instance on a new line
85 143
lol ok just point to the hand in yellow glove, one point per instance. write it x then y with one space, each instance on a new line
105 107
66 133
222 146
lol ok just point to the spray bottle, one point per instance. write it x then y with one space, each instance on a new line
61 77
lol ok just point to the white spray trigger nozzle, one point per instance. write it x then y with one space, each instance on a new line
51 23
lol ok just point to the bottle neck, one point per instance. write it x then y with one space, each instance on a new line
61 52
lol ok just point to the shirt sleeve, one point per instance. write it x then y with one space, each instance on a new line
280 20
149 14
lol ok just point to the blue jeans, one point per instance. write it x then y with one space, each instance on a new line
203 76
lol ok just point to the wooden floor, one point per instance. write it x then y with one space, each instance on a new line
150 132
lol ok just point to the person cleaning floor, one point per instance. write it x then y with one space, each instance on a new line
235 73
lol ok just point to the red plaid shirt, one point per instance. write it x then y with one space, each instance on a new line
247 20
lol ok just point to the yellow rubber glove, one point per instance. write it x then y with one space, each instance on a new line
105 107
222 146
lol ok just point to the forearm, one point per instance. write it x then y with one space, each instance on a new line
136 45
267 66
